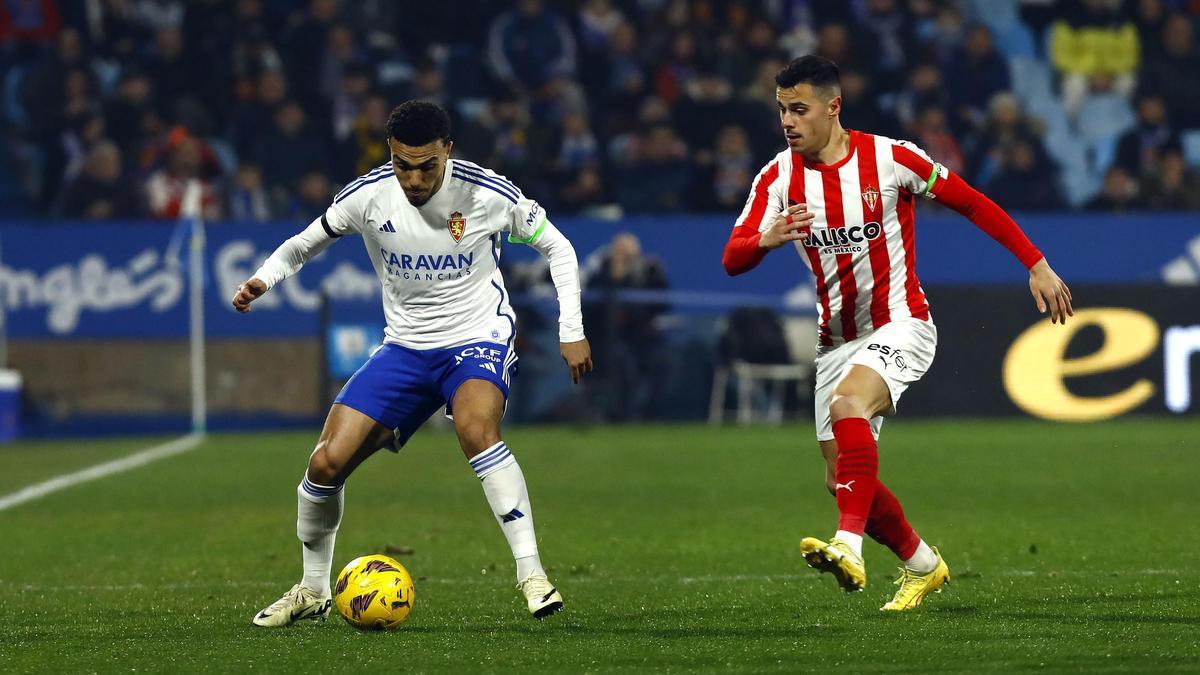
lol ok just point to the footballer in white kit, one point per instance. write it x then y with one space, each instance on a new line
433 228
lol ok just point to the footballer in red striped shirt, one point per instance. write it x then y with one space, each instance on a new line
845 199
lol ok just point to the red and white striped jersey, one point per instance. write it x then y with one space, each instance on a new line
862 247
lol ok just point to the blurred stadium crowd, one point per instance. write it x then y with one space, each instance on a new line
593 106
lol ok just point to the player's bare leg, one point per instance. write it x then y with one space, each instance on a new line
478 406
348 438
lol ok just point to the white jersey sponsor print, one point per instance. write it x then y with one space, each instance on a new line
439 263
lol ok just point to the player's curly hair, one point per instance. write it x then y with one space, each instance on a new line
817 71
418 123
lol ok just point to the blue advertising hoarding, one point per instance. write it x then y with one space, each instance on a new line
86 280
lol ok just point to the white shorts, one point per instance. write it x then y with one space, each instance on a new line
900 352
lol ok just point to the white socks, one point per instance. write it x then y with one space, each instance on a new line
854 541
504 487
318 515
923 561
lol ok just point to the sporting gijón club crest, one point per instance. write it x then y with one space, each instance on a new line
457 225
871 197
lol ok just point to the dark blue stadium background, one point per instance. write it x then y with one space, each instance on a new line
645 105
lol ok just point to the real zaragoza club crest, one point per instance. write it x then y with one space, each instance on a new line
457 225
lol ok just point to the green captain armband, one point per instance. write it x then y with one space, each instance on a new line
533 237
932 179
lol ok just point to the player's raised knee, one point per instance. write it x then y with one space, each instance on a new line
845 406
323 465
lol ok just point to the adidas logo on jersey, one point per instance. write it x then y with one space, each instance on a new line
387 227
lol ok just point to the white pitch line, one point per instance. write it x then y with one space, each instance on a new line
39 490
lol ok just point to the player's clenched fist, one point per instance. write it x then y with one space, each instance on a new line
247 293
791 225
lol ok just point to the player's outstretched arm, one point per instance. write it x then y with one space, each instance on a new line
934 181
1049 291
564 271
284 262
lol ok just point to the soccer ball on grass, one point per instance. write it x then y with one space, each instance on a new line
374 592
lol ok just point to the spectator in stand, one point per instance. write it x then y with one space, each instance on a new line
924 89
835 44
1175 187
1175 73
255 117
585 189
288 151
248 200
1149 17
188 162
655 174
577 146
301 47
530 45
368 140
1141 149
931 132
311 197
1119 195
672 77
626 81
1094 40
724 173
706 106
598 22
1020 181
760 112
884 24
861 111
1005 126
976 74
623 332
125 114
100 191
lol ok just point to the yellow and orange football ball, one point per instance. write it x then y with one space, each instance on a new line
374 592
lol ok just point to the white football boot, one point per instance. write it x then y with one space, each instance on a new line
541 596
298 604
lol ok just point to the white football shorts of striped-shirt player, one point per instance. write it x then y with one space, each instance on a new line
439 266
872 309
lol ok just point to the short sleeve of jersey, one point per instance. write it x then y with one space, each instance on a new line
348 211
526 221
916 171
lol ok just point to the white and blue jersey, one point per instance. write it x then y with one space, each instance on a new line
439 263
448 315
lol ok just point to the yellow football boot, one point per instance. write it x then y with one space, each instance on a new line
914 587
838 559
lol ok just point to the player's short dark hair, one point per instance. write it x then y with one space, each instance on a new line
418 123
817 71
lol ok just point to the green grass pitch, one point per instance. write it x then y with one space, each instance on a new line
1073 548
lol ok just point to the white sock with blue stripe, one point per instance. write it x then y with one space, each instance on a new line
504 487
318 515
